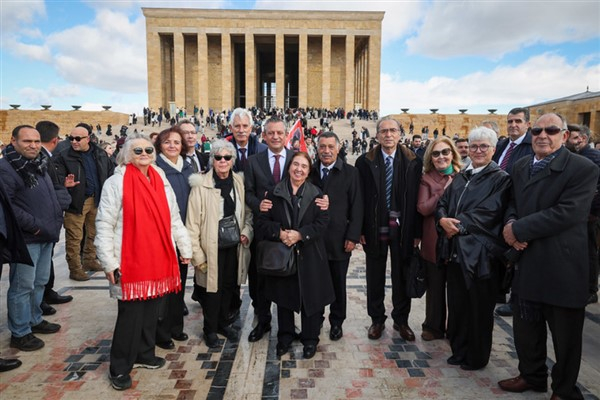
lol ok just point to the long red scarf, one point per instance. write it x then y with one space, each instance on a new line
149 265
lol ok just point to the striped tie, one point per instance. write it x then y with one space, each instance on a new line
389 172
506 158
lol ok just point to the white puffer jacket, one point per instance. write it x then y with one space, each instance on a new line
109 223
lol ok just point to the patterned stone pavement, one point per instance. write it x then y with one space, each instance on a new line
74 362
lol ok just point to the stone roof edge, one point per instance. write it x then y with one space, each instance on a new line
278 14
573 97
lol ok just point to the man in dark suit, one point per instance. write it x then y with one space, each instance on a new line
341 183
390 176
547 223
195 157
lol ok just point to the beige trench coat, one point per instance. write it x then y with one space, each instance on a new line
205 209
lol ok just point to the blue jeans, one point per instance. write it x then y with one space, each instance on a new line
26 289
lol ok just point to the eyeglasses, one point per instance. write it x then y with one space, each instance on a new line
77 138
445 152
482 147
550 130
391 130
219 157
138 150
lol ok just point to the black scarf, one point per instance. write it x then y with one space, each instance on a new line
226 186
26 168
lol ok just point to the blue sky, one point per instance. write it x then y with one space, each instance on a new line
435 54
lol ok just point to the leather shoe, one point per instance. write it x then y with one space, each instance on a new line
518 385
54 298
405 332
211 340
309 351
229 333
455 360
258 332
47 309
8 364
181 337
593 298
376 330
185 310
429 336
336 332
505 310
282 349
167 345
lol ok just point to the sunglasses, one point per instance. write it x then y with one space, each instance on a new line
77 138
219 157
138 150
550 130
436 154
482 147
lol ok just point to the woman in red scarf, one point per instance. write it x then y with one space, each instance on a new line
138 225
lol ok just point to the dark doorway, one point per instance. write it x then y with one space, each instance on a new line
291 72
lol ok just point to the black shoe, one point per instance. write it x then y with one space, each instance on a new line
54 298
336 332
185 310
282 349
45 327
233 316
26 343
309 351
505 310
258 332
120 382
47 309
9 364
229 333
455 360
196 295
211 340
156 363
181 337
593 298
167 345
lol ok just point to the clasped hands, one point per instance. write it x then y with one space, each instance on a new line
289 237
511 239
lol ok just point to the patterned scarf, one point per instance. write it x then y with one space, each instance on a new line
26 168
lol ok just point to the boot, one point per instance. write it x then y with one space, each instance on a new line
78 275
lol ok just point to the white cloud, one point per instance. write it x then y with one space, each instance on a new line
16 14
31 51
494 28
33 97
538 79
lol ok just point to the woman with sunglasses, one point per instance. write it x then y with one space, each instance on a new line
220 267
441 163
469 217
171 149
138 228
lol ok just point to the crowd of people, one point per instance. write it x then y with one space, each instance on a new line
488 215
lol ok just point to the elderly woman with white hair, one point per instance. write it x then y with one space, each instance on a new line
221 253
469 217
138 226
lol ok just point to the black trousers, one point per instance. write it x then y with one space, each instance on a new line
566 327
133 338
435 299
376 266
50 285
337 309
311 326
256 287
593 255
471 316
215 306
170 316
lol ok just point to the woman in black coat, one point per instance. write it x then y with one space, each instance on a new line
295 219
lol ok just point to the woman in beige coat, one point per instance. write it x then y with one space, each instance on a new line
217 194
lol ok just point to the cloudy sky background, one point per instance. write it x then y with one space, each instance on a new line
435 54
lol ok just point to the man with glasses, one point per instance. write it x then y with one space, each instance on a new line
90 166
390 176
547 223
198 159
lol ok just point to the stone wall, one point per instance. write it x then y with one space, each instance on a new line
454 123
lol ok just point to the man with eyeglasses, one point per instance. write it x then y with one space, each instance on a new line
547 223
390 175
198 159
90 166
508 151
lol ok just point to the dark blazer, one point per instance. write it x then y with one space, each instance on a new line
13 248
551 211
258 179
254 147
522 150
346 211
594 156
203 158
179 181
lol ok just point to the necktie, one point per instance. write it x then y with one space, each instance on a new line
192 159
276 169
325 174
389 172
243 159
504 162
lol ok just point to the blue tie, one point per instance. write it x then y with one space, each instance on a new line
325 174
389 172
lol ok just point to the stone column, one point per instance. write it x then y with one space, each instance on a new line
326 94
279 70
250 71
374 71
303 71
226 72
203 71
155 95
349 90
178 70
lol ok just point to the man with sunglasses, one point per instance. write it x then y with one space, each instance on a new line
547 223
90 166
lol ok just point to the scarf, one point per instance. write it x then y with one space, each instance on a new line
149 265
448 171
27 169
226 186
178 167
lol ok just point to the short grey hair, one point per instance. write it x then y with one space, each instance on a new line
386 118
493 125
240 113
126 153
483 133
219 145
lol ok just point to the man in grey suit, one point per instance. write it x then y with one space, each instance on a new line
547 223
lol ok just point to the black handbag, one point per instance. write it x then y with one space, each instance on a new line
276 259
229 232
416 282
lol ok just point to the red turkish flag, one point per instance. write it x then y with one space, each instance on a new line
296 133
